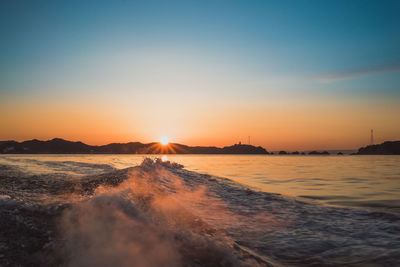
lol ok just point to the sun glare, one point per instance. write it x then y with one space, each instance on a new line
164 140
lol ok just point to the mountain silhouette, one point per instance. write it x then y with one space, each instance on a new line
61 146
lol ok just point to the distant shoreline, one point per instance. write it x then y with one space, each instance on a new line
61 146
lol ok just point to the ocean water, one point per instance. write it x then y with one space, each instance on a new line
215 210
351 181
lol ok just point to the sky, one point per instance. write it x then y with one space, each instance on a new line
293 75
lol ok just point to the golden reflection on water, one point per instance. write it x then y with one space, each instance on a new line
331 179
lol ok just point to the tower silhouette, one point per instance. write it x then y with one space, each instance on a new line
372 136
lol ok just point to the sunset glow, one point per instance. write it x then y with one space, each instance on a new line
199 133
164 140
218 79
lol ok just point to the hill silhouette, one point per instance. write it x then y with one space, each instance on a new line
61 146
386 148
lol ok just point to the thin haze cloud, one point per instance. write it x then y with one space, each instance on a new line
356 73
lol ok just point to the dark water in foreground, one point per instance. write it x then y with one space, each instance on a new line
95 211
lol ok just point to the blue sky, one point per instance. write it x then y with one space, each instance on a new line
319 38
242 53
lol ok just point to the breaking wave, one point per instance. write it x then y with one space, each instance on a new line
159 214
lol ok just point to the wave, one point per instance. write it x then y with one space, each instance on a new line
61 167
158 213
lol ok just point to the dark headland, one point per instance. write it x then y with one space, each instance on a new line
386 148
60 146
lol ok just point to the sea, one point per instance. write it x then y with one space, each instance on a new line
210 210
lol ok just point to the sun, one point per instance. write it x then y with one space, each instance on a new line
164 140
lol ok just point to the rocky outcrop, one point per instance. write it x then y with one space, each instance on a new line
386 148
318 153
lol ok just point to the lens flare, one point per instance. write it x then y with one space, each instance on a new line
164 140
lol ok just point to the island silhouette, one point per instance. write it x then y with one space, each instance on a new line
386 148
61 146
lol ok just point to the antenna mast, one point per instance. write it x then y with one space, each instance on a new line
372 136
248 140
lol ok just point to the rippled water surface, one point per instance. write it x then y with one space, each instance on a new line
103 210
353 181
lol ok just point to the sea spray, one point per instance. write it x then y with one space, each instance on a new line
142 222
159 210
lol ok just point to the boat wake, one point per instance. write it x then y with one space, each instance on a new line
159 214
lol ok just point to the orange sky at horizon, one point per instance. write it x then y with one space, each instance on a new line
322 126
203 73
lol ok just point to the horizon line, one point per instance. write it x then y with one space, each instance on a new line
146 143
